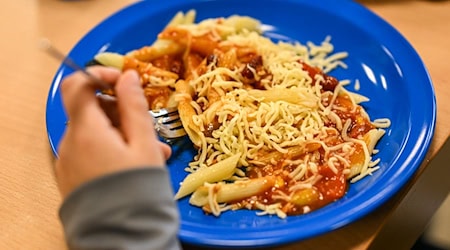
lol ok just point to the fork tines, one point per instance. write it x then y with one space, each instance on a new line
167 123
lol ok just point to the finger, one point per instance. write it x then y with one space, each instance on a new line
77 90
76 95
166 149
106 74
109 106
136 123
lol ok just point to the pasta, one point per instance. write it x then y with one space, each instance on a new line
274 131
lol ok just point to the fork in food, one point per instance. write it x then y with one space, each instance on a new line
167 121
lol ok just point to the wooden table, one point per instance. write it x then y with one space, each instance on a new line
29 199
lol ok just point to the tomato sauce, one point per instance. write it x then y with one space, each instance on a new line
360 125
332 185
330 82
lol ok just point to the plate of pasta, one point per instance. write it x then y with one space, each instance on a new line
294 127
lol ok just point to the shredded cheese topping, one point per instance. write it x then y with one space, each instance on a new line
274 105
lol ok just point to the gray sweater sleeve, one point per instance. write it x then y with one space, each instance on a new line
133 209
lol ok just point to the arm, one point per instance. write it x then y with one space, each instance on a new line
110 170
133 209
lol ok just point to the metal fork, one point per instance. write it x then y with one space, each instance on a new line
167 121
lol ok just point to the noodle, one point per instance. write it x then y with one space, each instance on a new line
271 104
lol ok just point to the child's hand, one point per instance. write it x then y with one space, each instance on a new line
102 138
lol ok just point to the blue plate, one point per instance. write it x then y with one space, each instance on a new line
391 73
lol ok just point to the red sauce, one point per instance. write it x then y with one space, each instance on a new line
157 96
331 186
360 125
330 82
170 63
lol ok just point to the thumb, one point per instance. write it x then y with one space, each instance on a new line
136 123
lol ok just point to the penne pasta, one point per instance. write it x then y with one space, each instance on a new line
149 71
187 112
228 192
358 98
216 172
372 137
181 18
159 48
110 59
305 197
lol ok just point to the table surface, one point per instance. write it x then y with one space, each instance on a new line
29 199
